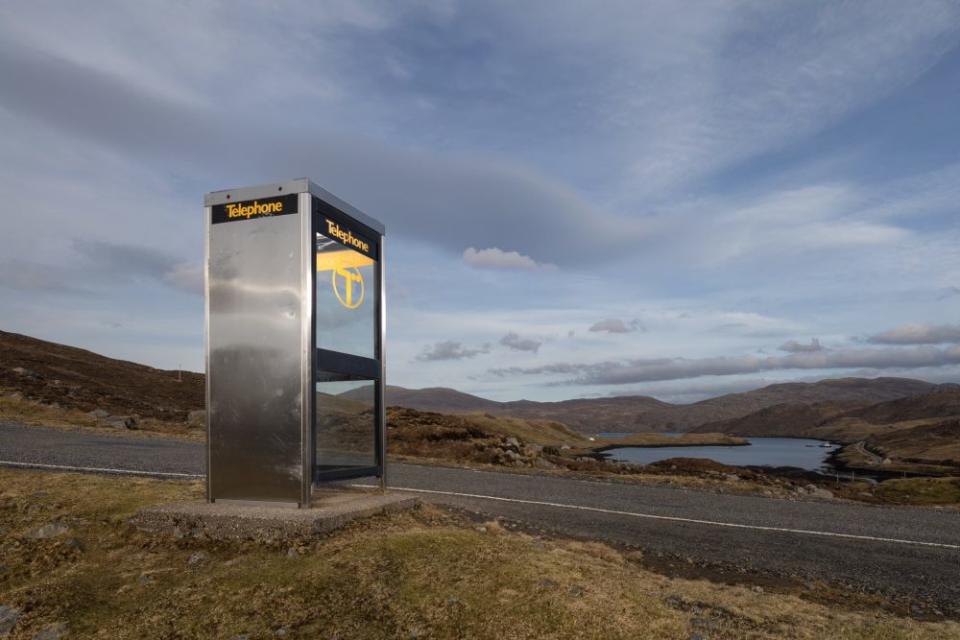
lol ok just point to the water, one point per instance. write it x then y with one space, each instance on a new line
804 453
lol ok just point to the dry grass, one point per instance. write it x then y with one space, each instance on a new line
542 432
28 412
920 491
425 575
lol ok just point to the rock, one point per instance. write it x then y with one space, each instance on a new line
547 583
817 492
731 476
197 418
512 443
8 619
543 463
50 530
20 371
73 543
511 456
122 422
98 413
198 558
52 632
757 589
887 461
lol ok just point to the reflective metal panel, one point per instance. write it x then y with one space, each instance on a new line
254 368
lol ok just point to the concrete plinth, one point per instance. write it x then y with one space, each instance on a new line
265 522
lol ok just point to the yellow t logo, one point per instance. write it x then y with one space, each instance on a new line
346 278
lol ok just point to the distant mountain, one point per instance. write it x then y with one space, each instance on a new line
846 420
632 414
78 379
439 399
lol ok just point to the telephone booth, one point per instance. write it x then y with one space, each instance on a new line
294 342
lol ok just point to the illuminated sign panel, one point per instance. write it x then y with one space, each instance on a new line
251 209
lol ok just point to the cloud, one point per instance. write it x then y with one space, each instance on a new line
450 350
650 370
23 275
615 325
494 258
486 202
96 264
187 276
919 334
792 346
515 342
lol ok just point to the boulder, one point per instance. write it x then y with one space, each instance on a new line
197 418
122 422
8 619
98 413
49 530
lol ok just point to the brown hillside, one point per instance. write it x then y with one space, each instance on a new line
937 443
78 379
944 402
783 420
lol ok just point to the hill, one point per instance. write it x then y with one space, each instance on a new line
943 402
781 420
841 421
78 379
631 414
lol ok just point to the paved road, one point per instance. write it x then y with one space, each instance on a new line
908 551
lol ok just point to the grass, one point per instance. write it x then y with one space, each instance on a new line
920 491
663 440
427 574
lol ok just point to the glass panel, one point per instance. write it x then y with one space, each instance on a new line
346 299
346 419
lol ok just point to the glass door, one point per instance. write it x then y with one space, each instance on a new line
348 414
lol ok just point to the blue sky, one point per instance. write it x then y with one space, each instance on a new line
675 199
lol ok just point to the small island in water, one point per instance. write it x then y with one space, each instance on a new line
653 440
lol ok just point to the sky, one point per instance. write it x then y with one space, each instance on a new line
581 200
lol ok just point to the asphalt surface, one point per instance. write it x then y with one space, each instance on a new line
905 551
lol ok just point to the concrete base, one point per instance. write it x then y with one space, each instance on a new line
332 508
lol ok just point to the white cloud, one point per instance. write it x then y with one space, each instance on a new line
450 350
494 258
